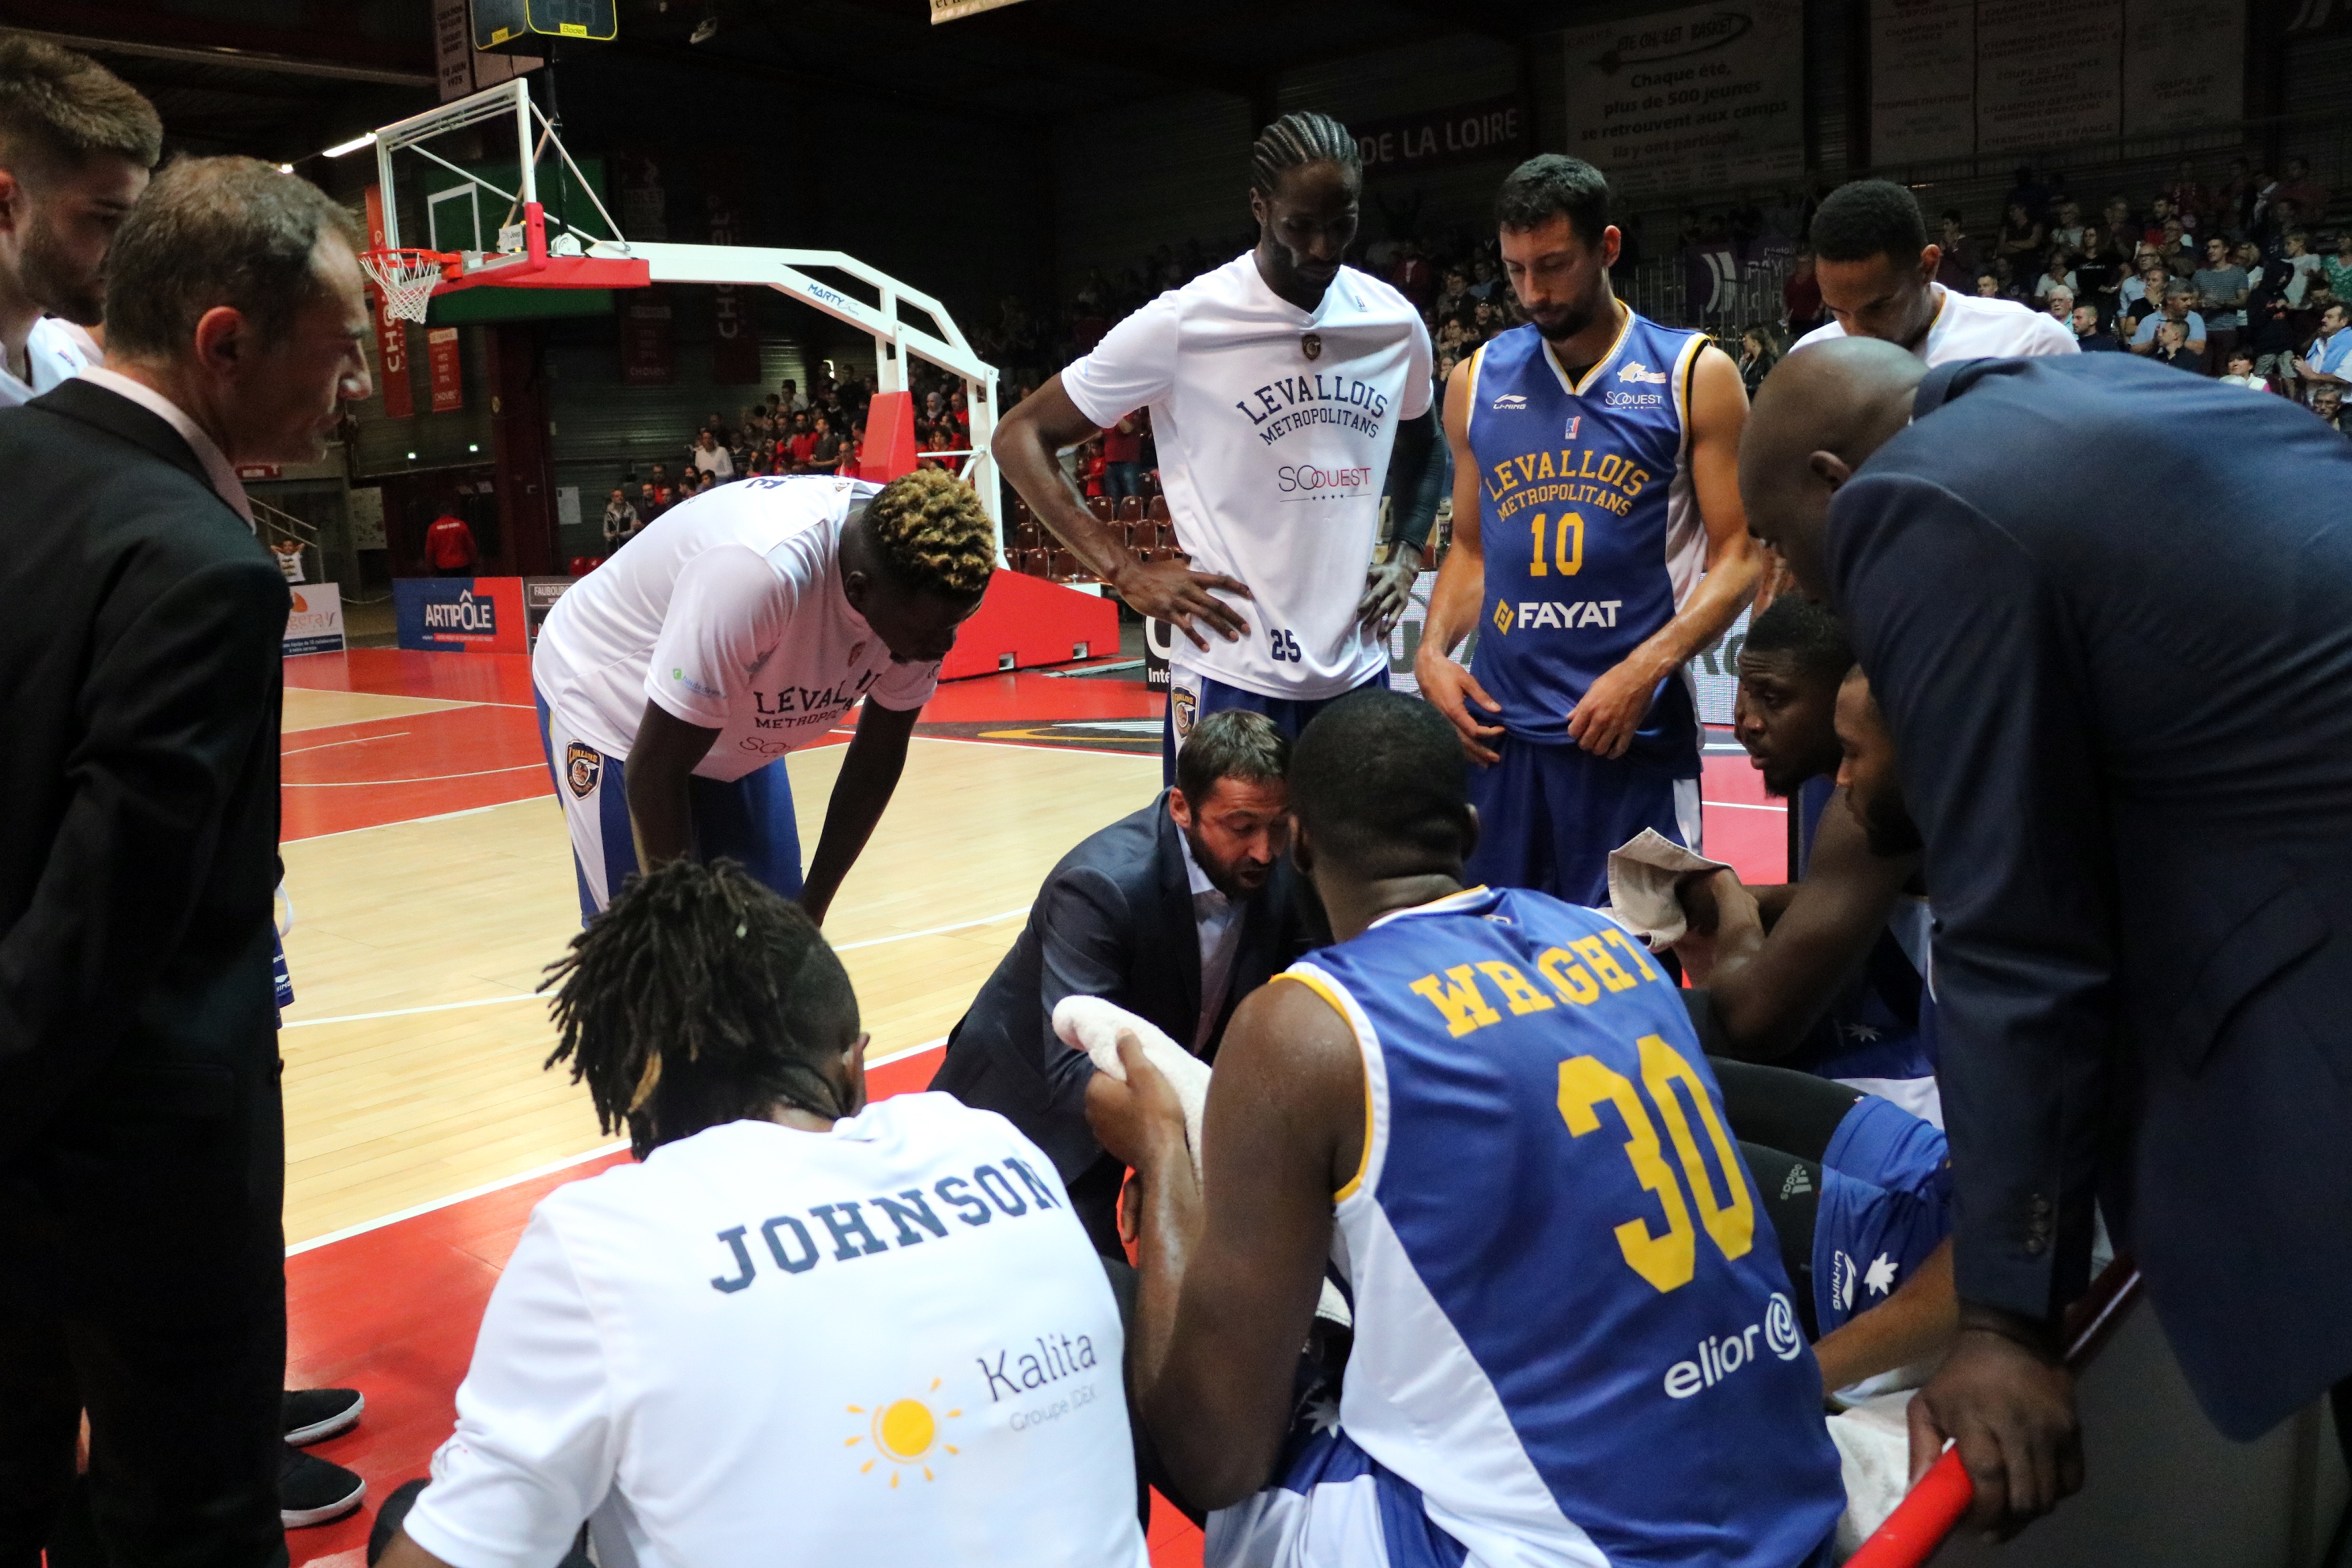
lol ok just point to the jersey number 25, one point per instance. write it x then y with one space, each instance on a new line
1665 1262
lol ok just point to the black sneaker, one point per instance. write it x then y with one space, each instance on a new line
312 1491
314 1415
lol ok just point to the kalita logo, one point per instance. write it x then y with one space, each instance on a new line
1510 402
1638 372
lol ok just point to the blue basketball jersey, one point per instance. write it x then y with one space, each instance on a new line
1573 1331
1589 525
1879 1035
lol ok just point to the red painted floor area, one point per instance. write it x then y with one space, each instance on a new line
393 1312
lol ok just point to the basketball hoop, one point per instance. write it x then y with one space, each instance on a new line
408 278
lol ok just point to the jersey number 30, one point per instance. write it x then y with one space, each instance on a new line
1665 1262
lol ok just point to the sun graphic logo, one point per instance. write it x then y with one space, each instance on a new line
905 1435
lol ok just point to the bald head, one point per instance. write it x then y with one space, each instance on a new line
1818 417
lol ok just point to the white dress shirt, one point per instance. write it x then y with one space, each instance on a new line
1216 920
217 467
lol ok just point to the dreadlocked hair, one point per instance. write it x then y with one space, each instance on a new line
701 997
933 533
1298 140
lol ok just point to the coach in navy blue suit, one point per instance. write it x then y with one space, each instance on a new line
2107 609
1175 912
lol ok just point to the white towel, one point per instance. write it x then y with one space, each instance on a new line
1873 1445
1642 872
1093 1025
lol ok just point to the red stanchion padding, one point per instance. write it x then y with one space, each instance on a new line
1920 1522
889 449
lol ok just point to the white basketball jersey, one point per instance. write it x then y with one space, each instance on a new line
888 1344
1970 327
1273 427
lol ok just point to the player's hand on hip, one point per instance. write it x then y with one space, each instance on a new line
2009 1407
1449 688
1612 710
1141 1121
1169 591
1388 589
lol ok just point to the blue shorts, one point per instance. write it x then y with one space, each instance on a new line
1885 1204
748 819
1193 696
1549 816
1332 1506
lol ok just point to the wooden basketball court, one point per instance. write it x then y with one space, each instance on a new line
431 882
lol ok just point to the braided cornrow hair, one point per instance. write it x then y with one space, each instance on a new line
699 997
1298 140
932 529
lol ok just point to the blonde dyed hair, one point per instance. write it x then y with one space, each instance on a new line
932 531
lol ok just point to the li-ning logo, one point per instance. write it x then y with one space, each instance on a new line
1510 402
1637 371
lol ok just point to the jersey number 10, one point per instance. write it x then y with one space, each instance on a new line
1666 1262
1567 545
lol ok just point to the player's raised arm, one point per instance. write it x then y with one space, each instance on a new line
1214 1345
1612 710
1461 588
1025 443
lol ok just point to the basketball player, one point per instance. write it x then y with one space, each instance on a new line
76 146
1859 1192
1288 391
1829 974
1877 274
1599 543
1574 1339
739 626
806 1328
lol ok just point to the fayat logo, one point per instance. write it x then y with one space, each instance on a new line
464 614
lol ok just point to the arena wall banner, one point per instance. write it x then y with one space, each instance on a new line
460 614
2048 76
1494 128
315 623
390 331
1923 82
2184 65
449 375
1702 97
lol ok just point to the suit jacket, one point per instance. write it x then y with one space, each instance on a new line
1114 920
2107 609
141 1146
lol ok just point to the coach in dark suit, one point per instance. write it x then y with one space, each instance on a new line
2107 609
1175 913
141 1149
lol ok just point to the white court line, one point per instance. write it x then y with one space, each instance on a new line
534 995
1034 745
566 1163
412 821
1743 806
329 744
437 778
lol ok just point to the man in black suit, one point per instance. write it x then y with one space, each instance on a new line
1175 913
2117 692
141 1160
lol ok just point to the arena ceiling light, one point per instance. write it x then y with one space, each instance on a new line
364 139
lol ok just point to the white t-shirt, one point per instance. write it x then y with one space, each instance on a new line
1273 427
718 461
888 1344
1970 327
54 352
728 611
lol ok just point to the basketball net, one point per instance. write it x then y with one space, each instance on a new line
407 277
